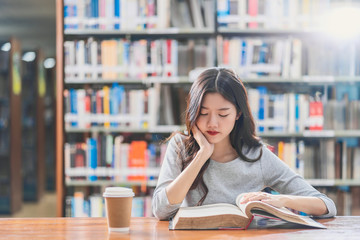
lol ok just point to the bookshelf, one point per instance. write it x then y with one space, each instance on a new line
49 115
33 125
157 44
11 195
325 153
291 76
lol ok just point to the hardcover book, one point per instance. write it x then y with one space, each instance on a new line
239 216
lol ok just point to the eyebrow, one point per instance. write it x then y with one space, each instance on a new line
220 109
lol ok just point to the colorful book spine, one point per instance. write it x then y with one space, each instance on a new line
73 105
223 10
92 157
106 105
253 12
262 107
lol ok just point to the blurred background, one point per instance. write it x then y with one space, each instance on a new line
124 70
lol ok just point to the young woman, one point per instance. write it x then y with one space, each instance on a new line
221 156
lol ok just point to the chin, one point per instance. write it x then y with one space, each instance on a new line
212 139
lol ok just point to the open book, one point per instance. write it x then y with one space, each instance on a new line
225 215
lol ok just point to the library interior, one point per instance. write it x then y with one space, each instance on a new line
91 91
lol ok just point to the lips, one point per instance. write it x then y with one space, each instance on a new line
212 133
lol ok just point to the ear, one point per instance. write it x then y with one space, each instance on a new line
238 115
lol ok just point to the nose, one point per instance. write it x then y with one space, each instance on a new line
212 121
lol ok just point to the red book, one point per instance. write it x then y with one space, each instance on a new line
87 108
226 45
168 56
253 12
137 159
316 115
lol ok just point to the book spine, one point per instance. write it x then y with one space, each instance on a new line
262 108
253 12
92 154
223 10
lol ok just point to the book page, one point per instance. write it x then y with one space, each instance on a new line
264 206
279 212
242 207
209 210
263 209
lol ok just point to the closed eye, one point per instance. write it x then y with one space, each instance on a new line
223 115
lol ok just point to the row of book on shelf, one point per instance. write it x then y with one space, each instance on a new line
117 106
108 106
163 104
293 112
347 201
144 14
93 205
320 159
140 59
168 58
288 57
162 14
279 14
108 157
255 57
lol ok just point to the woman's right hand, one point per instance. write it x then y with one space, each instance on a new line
206 148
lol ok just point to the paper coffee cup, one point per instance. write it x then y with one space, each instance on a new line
118 202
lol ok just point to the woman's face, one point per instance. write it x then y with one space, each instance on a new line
217 117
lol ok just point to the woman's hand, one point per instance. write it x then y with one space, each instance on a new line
275 200
310 205
176 191
205 147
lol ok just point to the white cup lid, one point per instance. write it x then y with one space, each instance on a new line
118 192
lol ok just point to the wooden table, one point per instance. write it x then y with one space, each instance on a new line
150 228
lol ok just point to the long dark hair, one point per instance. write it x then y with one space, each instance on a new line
229 85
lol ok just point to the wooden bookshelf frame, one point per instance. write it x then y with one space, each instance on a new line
60 193
61 34
16 182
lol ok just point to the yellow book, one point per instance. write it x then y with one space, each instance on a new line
106 106
109 58
281 150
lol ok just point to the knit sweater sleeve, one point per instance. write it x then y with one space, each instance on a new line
278 176
170 169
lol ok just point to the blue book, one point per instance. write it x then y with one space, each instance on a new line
96 13
223 10
297 113
261 116
86 208
263 55
73 105
92 157
72 207
126 56
137 209
152 156
116 93
73 14
66 14
117 13
243 53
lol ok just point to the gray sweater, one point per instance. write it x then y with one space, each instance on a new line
226 180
